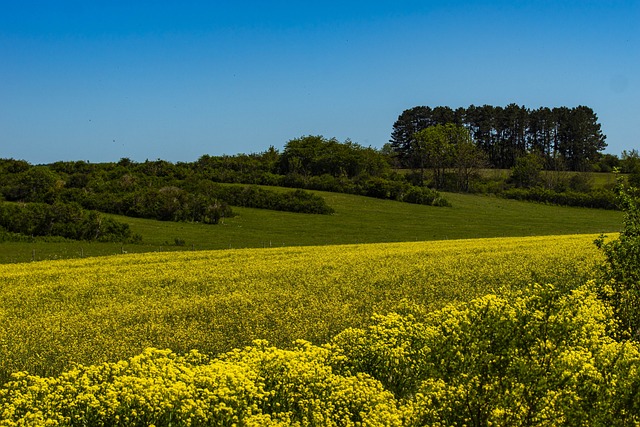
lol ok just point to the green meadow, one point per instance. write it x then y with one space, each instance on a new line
357 219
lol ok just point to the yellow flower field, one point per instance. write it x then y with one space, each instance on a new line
57 313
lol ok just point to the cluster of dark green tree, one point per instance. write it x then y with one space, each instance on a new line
546 150
565 138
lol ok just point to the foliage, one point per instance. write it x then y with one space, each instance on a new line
424 196
193 191
37 184
601 199
167 203
393 187
630 164
444 147
506 133
8 236
468 160
433 148
620 280
65 220
316 156
527 171
290 201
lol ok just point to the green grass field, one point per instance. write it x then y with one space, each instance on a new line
357 220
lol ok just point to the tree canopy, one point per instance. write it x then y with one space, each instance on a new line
570 137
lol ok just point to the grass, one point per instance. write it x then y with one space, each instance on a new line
357 220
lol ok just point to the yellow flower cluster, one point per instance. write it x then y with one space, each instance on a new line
57 313
540 356
259 386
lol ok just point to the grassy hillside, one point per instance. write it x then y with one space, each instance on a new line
357 220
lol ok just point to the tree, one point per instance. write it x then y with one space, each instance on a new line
446 146
480 120
527 171
580 138
509 134
408 124
541 134
567 136
467 159
299 153
440 147
316 156
630 164
13 166
37 184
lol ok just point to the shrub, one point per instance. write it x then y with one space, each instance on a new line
62 219
601 199
291 201
619 282
424 196
527 171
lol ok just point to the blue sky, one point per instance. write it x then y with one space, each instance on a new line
173 80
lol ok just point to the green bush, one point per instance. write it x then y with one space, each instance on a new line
62 219
291 201
424 196
601 199
619 282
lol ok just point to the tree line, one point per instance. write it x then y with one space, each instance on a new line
565 138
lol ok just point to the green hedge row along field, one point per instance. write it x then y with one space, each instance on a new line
537 357
57 313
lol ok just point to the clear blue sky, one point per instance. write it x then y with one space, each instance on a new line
102 80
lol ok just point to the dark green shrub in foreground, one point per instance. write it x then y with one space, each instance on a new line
620 274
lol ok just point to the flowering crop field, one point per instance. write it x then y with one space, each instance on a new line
57 313
504 331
